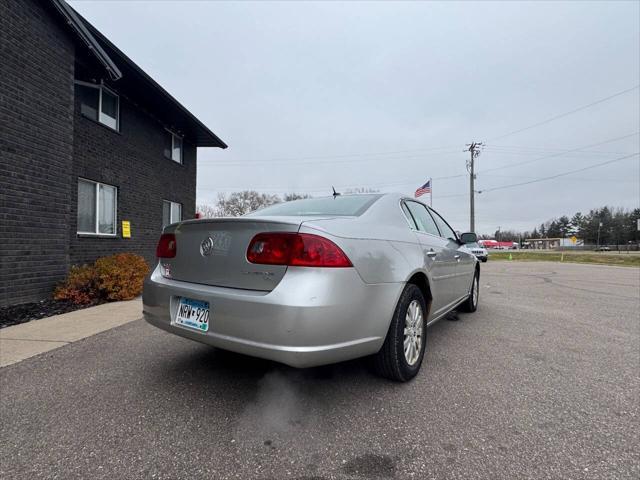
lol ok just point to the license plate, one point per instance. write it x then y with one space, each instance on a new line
193 314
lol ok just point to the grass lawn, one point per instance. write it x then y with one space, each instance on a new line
603 258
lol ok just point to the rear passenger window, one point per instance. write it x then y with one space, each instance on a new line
422 218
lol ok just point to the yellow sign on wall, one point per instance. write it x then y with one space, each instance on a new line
126 229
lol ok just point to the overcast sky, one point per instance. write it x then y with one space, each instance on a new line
386 94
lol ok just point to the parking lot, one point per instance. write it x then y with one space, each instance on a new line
541 382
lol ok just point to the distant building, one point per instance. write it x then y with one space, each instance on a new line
496 244
95 156
551 243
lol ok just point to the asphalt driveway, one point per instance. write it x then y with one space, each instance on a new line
542 382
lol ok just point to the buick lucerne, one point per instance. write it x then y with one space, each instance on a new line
315 281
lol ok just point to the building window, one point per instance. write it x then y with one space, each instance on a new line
99 103
97 207
173 147
171 212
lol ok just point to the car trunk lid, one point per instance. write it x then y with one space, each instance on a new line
213 252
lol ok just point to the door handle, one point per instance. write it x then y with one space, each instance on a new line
431 253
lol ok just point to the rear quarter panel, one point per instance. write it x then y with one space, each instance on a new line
380 244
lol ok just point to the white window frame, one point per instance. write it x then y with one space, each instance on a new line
97 233
173 139
101 87
171 219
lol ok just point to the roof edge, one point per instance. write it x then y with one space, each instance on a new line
94 31
78 26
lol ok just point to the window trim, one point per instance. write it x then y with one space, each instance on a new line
171 203
97 233
173 137
101 87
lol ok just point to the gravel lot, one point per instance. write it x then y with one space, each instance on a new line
542 382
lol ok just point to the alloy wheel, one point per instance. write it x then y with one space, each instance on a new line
413 326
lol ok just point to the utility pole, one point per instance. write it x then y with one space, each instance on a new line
474 149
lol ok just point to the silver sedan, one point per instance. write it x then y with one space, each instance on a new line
315 281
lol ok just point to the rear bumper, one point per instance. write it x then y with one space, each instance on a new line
312 317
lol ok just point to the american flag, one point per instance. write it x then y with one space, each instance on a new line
426 188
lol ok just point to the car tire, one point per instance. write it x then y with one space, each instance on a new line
392 361
471 303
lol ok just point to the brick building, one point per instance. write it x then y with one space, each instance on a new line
88 143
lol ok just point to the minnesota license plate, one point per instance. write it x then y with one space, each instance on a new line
193 314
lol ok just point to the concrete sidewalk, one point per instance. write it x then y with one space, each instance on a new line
37 336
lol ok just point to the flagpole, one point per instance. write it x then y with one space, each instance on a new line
431 193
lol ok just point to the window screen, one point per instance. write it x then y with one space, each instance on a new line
97 204
109 109
89 100
106 209
171 212
86 206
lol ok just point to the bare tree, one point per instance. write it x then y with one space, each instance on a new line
361 190
241 203
206 211
288 197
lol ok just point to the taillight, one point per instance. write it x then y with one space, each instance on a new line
166 246
296 249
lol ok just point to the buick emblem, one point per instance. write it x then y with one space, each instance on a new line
206 247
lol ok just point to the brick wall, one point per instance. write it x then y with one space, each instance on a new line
133 161
46 144
36 145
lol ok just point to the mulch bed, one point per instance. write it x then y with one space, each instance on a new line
25 312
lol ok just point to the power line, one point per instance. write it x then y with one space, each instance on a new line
322 189
314 159
502 187
265 163
398 183
578 179
541 151
553 155
411 181
556 117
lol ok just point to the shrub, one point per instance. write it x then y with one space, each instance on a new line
79 286
120 276
117 277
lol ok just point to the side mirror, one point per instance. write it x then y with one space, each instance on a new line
468 237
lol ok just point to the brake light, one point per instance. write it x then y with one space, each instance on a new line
296 249
166 246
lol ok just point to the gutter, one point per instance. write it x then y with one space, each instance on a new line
92 44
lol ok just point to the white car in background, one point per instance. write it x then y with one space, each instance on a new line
479 251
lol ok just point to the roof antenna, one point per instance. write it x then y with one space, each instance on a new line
335 194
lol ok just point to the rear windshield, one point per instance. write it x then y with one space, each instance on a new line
341 205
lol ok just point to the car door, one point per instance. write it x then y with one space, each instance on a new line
465 260
438 259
